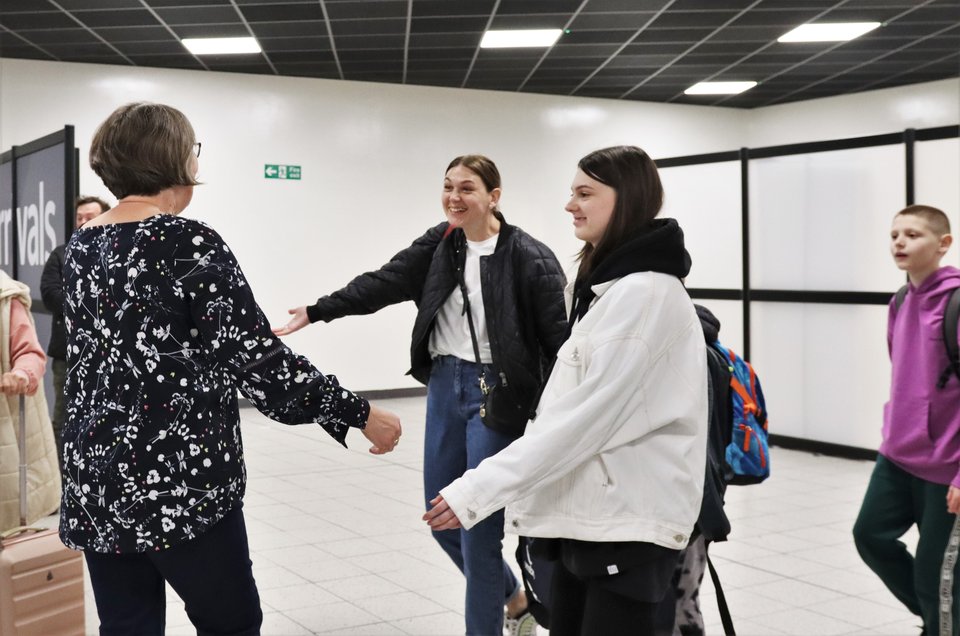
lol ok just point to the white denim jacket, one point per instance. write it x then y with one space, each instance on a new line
618 448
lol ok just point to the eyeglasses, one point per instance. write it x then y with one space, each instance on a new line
197 147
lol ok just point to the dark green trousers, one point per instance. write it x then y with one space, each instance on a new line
895 501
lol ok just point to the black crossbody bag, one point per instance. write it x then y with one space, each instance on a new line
500 411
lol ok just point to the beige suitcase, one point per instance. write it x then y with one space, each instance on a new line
41 580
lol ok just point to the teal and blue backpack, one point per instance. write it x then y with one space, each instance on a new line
748 453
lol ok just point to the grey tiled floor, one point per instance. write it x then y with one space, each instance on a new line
338 546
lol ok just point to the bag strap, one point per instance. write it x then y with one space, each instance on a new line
22 448
461 281
951 323
721 600
900 296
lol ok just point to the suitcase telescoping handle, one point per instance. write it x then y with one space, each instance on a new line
22 443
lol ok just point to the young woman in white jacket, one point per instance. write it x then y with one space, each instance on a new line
613 465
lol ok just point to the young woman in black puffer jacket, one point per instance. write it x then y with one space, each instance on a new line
514 287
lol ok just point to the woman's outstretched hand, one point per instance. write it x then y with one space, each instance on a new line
383 430
440 516
298 322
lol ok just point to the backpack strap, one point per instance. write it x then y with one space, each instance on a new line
900 296
725 617
951 323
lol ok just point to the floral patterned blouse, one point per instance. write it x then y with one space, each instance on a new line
162 330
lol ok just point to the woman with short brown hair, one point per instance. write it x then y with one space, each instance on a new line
163 331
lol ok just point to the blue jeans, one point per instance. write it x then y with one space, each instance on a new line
456 440
212 574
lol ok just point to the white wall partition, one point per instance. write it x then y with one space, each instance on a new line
705 200
933 162
821 221
824 368
887 110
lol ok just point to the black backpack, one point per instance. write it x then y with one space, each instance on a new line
951 321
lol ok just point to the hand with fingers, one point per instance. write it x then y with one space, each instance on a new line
953 500
383 430
441 516
13 383
296 323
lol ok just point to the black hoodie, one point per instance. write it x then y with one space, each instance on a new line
657 248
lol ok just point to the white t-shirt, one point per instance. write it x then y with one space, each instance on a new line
451 334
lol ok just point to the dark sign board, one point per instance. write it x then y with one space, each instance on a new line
38 184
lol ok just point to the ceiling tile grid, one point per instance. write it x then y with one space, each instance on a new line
649 50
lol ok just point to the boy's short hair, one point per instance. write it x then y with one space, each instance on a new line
935 218
143 148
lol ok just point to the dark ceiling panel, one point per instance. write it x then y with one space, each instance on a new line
282 12
182 3
617 44
289 29
38 20
134 34
150 49
116 17
63 36
508 7
298 44
456 24
367 10
533 21
348 43
23 6
423 8
198 15
368 27
625 5
236 30
71 5
80 50
693 19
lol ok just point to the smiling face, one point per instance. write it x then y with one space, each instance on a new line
591 204
468 204
915 247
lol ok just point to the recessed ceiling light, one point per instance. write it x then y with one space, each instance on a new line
519 38
221 46
828 32
719 88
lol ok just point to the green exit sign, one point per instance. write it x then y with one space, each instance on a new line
277 171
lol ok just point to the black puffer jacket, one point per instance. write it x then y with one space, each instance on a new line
521 282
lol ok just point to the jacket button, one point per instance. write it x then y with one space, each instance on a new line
471 515
516 524
679 538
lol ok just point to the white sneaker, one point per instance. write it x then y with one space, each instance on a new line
523 625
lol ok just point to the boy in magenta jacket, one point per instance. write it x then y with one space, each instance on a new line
917 476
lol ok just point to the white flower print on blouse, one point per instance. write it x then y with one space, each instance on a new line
162 331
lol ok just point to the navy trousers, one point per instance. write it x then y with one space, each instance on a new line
212 574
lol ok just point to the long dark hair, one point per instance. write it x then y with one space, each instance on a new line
632 173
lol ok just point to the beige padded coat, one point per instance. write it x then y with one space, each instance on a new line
43 476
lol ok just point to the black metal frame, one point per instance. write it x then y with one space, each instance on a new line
71 182
746 294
